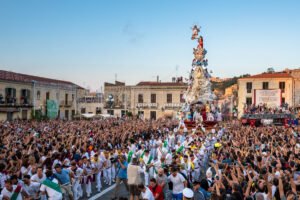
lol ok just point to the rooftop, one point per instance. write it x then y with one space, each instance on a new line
24 78
269 75
149 83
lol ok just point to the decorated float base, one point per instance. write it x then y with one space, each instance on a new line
206 124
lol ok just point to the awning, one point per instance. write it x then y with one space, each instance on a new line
88 115
106 115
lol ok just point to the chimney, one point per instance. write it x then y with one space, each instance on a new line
157 78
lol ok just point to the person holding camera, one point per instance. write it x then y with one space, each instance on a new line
122 166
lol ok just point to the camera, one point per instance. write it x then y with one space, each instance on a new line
114 159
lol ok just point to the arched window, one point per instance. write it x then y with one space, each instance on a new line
38 95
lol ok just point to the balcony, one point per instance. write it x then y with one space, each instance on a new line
147 105
113 106
10 104
173 105
66 104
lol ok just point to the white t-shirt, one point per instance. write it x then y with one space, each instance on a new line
35 178
6 193
177 181
147 194
32 189
52 194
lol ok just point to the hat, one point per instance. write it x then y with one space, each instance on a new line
188 193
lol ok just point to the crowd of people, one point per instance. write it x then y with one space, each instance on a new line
265 109
154 159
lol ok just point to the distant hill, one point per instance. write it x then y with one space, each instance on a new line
222 85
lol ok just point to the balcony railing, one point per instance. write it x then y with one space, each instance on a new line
147 105
12 102
173 105
66 103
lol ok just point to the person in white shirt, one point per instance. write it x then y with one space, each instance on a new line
40 176
148 166
179 183
146 192
88 168
107 170
9 190
52 193
196 172
152 147
3 176
98 163
31 188
140 153
76 182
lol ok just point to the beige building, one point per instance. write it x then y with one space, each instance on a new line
24 96
91 103
266 81
149 100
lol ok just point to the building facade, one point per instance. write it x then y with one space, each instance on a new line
265 81
24 96
91 103
148 100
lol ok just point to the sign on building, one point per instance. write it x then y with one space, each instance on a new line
272 98
52 109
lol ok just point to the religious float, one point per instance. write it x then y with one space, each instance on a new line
198 106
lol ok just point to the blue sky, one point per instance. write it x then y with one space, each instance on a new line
90 41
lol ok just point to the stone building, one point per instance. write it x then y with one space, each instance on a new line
149 100
266 81
24 96
91 103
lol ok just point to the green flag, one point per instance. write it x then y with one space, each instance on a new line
149 161
52 185
143 154
166 144
129 156
16 193
180 149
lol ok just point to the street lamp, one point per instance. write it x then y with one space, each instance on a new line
110 100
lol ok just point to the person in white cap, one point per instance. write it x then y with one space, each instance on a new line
187 194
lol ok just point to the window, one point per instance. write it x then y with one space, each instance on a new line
181 98
47 95
153 115
140 98
265 85
57 96
169 98
249 101
38 95
249 87
153 98
73 97
66 99
282 86
123 98
282 100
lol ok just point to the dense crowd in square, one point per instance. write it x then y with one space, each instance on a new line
153 159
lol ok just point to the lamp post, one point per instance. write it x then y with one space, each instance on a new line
110 100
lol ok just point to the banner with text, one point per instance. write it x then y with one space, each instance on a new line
272 98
